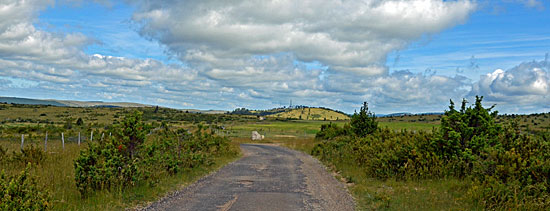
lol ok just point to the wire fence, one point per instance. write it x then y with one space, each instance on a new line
47 139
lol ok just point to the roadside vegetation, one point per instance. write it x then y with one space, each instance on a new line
140 160
482 163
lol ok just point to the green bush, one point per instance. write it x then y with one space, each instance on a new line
131 132
104 165
111 163
29 154
508 169
20 192
330 131
126 159
3 154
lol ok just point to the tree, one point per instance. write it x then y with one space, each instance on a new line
79 122
471 128
68 123
364 122
131 132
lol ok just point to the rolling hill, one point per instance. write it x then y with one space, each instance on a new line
311 114
68 103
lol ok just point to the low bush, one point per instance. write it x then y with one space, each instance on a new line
330 131
104 166
127 158
29 154
20 192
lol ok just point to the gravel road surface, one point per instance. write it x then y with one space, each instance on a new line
267 177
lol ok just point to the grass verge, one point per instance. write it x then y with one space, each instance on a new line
375 194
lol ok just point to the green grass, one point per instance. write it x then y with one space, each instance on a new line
279 129
301 129
414 126
310 114
375 194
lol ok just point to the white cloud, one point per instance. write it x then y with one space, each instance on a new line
349 36
250 54
533 4
58 64
525 84
399 91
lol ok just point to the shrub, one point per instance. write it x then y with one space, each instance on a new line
508 169
104 166
131 132
330 131
3 154
79 121
29 154
364 122
111 164
20 192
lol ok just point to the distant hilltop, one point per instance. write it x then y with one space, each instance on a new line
68 103
296 112
74 103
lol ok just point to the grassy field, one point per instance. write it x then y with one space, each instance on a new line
279 129
19 114
530 122
414 126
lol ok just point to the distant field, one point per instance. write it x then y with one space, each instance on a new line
307 129
530 122
414 126
279 129
57 115
311 114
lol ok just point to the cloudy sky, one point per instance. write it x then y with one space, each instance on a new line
399 55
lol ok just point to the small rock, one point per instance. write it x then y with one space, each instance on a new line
256 136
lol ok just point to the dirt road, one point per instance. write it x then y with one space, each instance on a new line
268 177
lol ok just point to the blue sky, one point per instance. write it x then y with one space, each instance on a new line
400 56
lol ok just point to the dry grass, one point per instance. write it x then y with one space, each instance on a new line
58 115
56 175
311 114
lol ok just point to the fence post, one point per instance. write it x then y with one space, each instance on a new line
46 142
22 140
78 138
92 136
63 140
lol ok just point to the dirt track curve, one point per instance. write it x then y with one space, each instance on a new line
267 177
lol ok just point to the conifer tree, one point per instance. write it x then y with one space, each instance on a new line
364 122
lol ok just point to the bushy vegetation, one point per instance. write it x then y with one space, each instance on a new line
126 159
505 167
20 192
